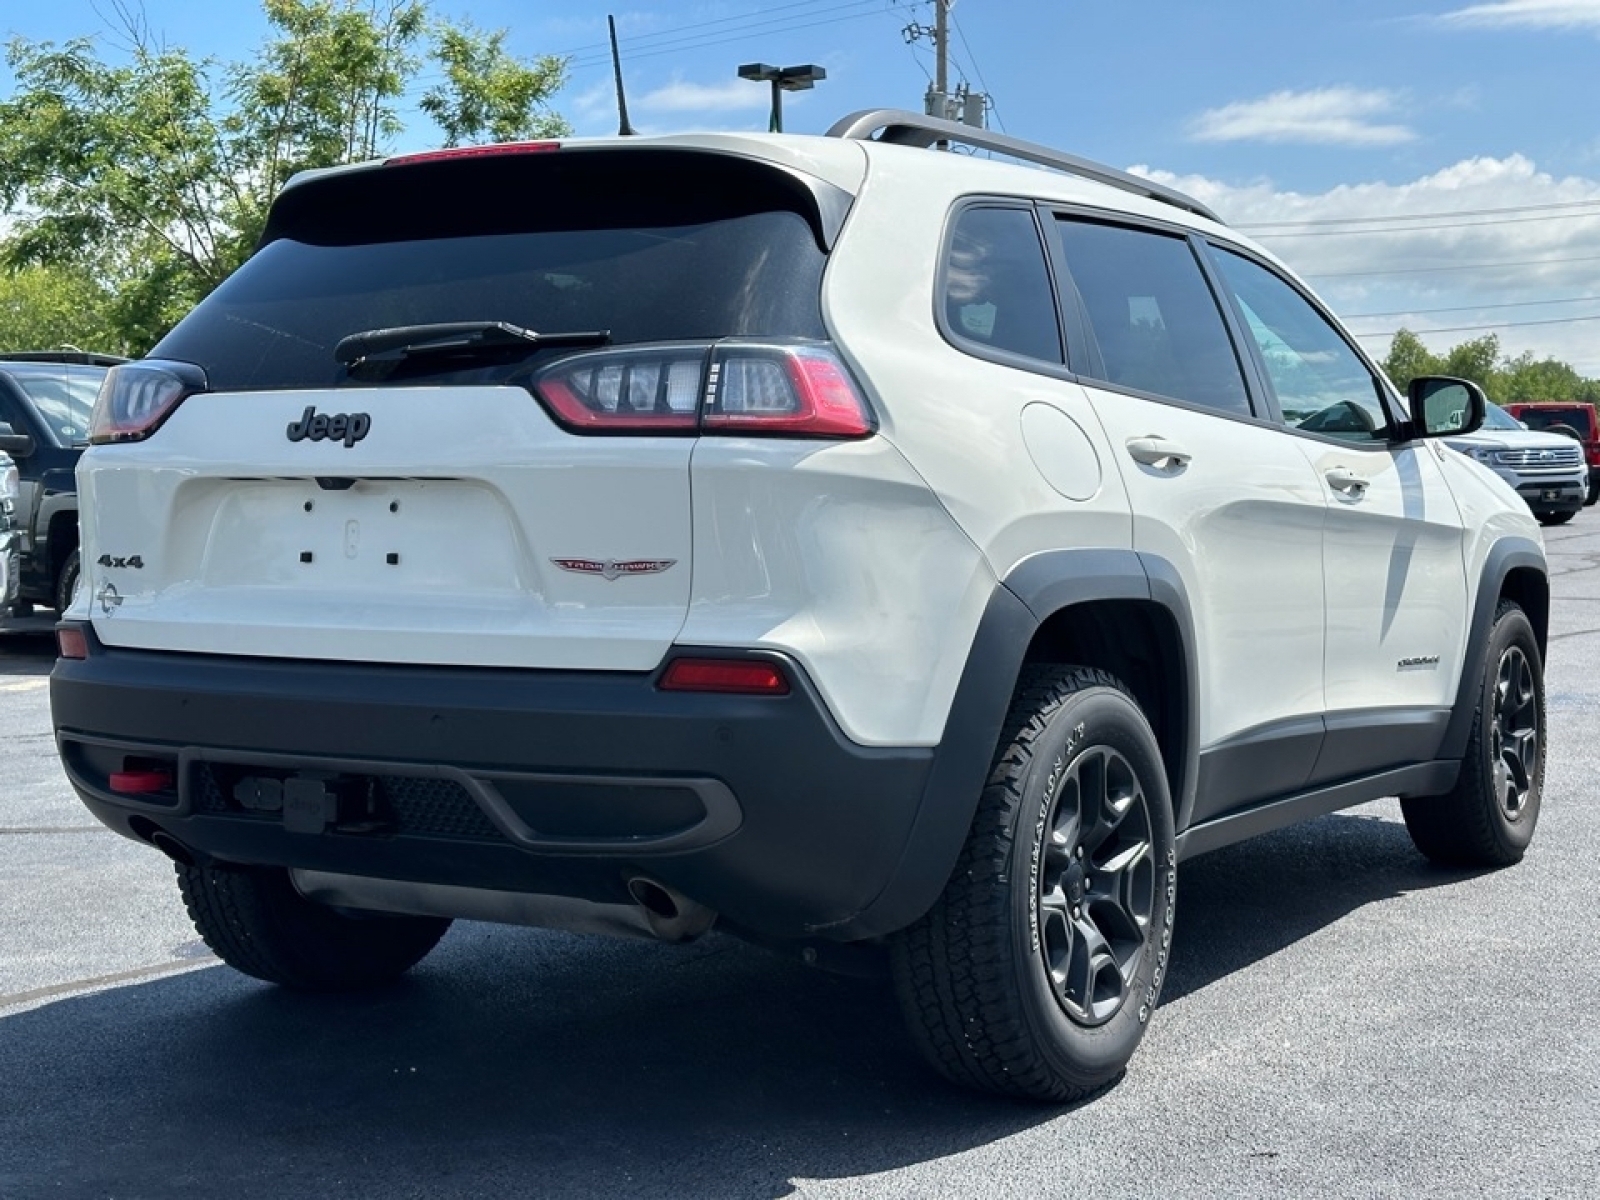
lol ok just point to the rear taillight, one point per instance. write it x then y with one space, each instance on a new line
136 397
741 388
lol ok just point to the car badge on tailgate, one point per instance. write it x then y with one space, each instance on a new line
313 426
612 568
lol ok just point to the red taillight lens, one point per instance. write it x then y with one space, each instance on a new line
136 780
792 390
739 388
491 151
649 390
136 397
739 676
72 642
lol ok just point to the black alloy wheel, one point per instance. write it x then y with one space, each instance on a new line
1097 888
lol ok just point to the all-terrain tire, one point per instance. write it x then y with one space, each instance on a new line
255 921
1488 818
1036 971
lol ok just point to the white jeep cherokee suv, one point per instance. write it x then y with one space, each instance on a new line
871 550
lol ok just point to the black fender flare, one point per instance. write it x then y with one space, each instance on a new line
1038 588
1505 556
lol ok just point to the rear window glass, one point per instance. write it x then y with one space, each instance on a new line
62 394
1543 418
578 250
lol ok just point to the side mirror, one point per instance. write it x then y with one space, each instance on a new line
1442 406
12 442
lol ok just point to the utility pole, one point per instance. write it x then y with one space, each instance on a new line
964 105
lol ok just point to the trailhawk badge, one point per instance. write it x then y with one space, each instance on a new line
612 568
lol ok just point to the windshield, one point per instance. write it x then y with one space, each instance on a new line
1498 418
62 394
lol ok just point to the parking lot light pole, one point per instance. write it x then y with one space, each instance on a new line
783 79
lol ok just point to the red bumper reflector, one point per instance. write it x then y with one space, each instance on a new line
737 676
139 783
71 643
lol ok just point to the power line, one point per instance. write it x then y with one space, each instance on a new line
1480 266
1421 312
977 70
1479 328
1586 216
1465 212
789 24
671 30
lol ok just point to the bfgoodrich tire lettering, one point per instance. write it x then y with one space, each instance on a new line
1036 971
1488 819
255 921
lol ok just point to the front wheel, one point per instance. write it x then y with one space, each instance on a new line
1036 971
257 923
1487 819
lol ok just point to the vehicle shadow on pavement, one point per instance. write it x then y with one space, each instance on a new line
27 653
1240 905
516 1062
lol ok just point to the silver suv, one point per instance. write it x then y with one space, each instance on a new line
1546 469
874 552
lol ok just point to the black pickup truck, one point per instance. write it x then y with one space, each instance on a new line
45 401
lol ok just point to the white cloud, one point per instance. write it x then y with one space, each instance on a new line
1326 116
734 95
1411 248
1528 14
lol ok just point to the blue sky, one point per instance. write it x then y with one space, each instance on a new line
1423 163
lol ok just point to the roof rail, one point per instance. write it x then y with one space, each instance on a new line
901 128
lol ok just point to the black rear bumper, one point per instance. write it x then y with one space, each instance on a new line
553 782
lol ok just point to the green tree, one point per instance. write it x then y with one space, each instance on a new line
1476 360
1525 378
1408 359
153 175
48 308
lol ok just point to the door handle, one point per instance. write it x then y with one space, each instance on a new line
1343 480
1156 451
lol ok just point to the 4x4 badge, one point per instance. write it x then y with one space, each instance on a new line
611 568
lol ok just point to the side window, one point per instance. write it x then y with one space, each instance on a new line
997 284
1154 318
1321 384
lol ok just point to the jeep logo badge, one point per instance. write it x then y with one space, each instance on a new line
313 426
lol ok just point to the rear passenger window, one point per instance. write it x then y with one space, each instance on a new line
1155 322
997 285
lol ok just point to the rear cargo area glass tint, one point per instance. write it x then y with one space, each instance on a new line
679 247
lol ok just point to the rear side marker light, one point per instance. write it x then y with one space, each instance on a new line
72 643
139 782
729 675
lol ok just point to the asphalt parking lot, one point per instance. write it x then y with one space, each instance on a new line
1341 1019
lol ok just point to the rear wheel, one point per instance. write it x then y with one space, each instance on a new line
255 921
1037 970
66 589
1488 819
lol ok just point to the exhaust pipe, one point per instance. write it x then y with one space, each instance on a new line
654 911
671 915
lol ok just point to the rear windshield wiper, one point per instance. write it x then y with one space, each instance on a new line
456 337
